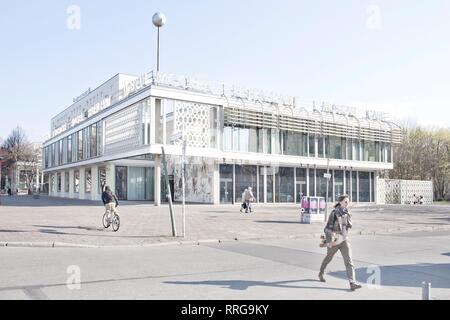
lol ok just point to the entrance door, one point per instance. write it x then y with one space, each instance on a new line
226 190
301 191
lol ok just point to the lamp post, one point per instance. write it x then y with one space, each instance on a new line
159 20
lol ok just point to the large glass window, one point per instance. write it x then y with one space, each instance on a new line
370 150
322 185
245 177
88 180
364 187
292 143
356 150
159 124
312 146
377 151
169 111
60 152
101 179
338 184
69 149
276 147
327 147
245 139
226 183
320 147
268 133
269 189
348 182
354 187
80 146
122 183
261 185
300 183
337 147
372 187
140 183
93 140
227 138
350 149
58 182
312 185
66 182
389 152
284 185
260 136
76 181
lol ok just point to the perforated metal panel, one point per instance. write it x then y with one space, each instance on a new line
194 118
403 191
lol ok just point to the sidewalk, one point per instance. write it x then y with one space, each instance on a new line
53 222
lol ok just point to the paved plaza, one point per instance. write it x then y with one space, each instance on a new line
226 255
58 222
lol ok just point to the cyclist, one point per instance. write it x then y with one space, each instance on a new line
110 200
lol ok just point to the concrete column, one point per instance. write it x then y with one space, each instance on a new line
82 193
157 180
94 183
216 184
71 184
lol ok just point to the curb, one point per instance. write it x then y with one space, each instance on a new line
388 231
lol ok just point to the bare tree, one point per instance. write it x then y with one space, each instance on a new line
20 151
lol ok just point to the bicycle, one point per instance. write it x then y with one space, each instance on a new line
108 220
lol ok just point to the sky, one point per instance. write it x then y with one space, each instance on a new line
385 55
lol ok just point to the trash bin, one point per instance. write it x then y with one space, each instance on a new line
312 209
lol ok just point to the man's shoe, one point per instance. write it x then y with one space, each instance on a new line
354 286
321 278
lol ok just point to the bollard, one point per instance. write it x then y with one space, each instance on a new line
426 288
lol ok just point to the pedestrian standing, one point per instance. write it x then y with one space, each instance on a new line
336 237
249 198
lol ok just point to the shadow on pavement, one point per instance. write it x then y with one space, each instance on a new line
245 284
278 221
411 275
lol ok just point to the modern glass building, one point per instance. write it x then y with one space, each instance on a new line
235 138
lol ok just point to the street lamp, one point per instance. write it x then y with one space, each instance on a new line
159 20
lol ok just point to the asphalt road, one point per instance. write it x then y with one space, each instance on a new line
266 269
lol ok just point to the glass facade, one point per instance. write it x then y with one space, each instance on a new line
300 182
289 184
284 185
122 183
338 184
88 181
226 183
101 179
245 176
140 184
76 181
364 187
66 182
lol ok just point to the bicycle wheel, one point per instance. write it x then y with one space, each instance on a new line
116 223
106 220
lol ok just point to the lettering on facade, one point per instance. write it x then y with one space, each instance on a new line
84 95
